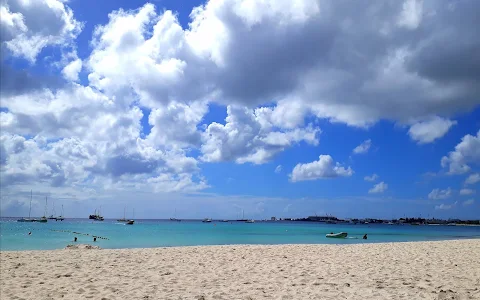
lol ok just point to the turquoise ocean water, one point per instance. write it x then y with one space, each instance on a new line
165 233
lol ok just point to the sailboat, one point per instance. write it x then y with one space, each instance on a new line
29 211
44 218
52 216
243 217
60 217
123 220
175 217
130 222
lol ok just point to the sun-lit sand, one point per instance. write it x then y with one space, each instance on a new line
421 270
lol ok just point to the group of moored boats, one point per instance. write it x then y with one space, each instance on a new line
43 219
98 217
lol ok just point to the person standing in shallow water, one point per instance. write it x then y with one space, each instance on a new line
365 236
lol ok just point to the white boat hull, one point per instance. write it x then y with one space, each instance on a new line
340 235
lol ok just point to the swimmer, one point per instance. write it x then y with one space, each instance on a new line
75 239
29 233
365 236
94 239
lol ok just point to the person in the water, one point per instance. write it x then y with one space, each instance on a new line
365 236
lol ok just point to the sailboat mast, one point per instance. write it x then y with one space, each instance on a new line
30 210
124 209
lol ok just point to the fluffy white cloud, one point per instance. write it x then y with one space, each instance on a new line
373 177
464 192
30 26
436 194
244 138
465 153
468 202
473 178
175 125
87 141
363 147
430 130
378 188
305 59
71 70
327 78
324 167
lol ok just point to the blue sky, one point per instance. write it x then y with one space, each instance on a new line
241 106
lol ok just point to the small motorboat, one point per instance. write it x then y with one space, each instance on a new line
207 220
250 221
130 222
340 235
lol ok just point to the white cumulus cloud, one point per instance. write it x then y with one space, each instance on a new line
244 138
363 147
472 178
436 194
372 177
71 70
430 130
322 168
465 153
305 60
30 26
378 188
464 192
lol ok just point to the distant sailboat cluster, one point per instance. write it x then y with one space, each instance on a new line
44 218
97 216
53 215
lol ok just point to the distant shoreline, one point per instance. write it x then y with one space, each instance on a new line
306 220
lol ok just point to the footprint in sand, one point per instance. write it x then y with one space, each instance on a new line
448 295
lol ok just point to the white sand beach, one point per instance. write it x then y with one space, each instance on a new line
417 270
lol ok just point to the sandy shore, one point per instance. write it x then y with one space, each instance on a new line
422 270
